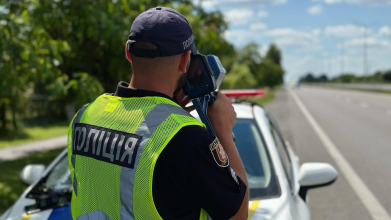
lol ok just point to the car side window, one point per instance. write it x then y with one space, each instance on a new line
286 163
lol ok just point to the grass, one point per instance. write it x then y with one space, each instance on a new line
360 90
34 133
11 187
372 90
263 100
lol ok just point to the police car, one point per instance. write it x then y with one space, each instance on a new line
278 184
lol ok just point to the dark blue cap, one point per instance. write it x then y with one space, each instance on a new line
164 27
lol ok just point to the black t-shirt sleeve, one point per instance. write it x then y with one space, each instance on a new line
212 183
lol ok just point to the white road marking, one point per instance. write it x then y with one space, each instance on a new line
373 206
364 105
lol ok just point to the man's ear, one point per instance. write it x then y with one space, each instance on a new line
185 58
128 53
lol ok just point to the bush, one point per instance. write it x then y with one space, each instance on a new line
240 77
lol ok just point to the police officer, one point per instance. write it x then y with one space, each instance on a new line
138 154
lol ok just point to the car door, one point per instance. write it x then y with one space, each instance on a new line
297 207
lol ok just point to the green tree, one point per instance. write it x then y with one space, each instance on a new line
77 47
249 55
345 78
270 74
377 77
323 78
98 40
274 54
82 85
240 77
98 30
266 71
271 70
310 78
28 63
387 76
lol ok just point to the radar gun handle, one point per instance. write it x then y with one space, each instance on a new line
201 106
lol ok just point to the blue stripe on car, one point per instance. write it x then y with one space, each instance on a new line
61 213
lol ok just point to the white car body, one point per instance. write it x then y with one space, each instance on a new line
287 206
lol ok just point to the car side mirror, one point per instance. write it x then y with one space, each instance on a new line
31 172
314 175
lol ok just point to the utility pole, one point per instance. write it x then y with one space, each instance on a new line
324 63
365 45
365 55
342 57
320 66
330 64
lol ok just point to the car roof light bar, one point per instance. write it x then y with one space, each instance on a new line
242 93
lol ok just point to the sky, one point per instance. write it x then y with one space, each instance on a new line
318 36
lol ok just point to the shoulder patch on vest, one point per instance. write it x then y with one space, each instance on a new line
105 144
219 155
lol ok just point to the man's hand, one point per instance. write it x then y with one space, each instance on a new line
183 101
222 115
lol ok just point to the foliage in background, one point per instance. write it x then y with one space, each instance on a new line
58 55
274 54
98 40
66 53
251 70
377 77
387 76
28 62
240 77
270 74
81 89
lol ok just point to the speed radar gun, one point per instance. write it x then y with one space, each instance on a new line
204 77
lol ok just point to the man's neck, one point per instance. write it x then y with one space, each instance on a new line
157 85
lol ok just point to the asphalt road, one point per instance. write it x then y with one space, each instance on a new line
359 125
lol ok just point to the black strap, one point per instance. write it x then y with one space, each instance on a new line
142 53
77 120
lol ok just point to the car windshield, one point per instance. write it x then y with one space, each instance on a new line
256 160
60 177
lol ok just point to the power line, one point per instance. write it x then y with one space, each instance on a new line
342 57
365 45
330 64
365 52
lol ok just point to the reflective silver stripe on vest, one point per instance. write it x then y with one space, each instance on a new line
151 121
73 156
97 214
